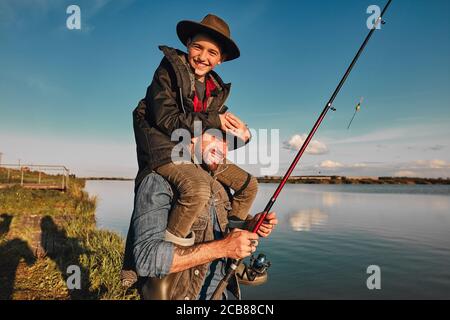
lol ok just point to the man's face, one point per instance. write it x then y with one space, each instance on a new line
211 148
203 54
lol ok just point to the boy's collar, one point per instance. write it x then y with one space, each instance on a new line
172 53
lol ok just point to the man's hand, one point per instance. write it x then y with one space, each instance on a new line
267 226
239 244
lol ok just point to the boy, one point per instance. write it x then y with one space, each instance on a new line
185 90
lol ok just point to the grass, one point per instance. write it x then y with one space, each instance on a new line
42 232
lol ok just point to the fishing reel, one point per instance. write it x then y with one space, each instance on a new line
329 105
258 265
256 272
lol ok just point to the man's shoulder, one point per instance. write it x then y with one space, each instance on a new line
154 183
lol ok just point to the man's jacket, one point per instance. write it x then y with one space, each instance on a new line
150 256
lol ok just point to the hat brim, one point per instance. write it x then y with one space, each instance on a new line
187 29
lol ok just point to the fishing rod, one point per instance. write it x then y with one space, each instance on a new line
217 295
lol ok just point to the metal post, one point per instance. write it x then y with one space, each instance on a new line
21 179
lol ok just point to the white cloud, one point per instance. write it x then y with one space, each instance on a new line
403 133
328 164
40 84
19 12
417 168
431 164
376 136
423 168
436 147
315 147
405 173
25 12
359 165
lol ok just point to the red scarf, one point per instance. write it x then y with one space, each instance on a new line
200 106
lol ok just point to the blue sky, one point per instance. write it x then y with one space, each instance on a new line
66 96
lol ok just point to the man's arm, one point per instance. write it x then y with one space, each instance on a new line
186 258
152 256
238 244
155 257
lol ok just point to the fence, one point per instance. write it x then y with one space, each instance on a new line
35 176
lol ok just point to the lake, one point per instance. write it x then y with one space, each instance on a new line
329 235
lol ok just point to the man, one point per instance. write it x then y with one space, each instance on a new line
167 271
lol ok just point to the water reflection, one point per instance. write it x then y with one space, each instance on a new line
441 204
115 204
304 220
404 228
331 199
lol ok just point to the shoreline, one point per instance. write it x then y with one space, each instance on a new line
325 180
357 180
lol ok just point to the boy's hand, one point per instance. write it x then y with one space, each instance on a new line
225 125
236 126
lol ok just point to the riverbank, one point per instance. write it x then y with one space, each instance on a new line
326 180
43 232
355 180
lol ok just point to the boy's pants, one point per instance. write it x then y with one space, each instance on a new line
193 185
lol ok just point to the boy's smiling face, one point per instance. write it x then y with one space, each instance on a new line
204 54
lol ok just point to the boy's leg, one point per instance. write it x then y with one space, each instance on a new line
244 185
194 190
